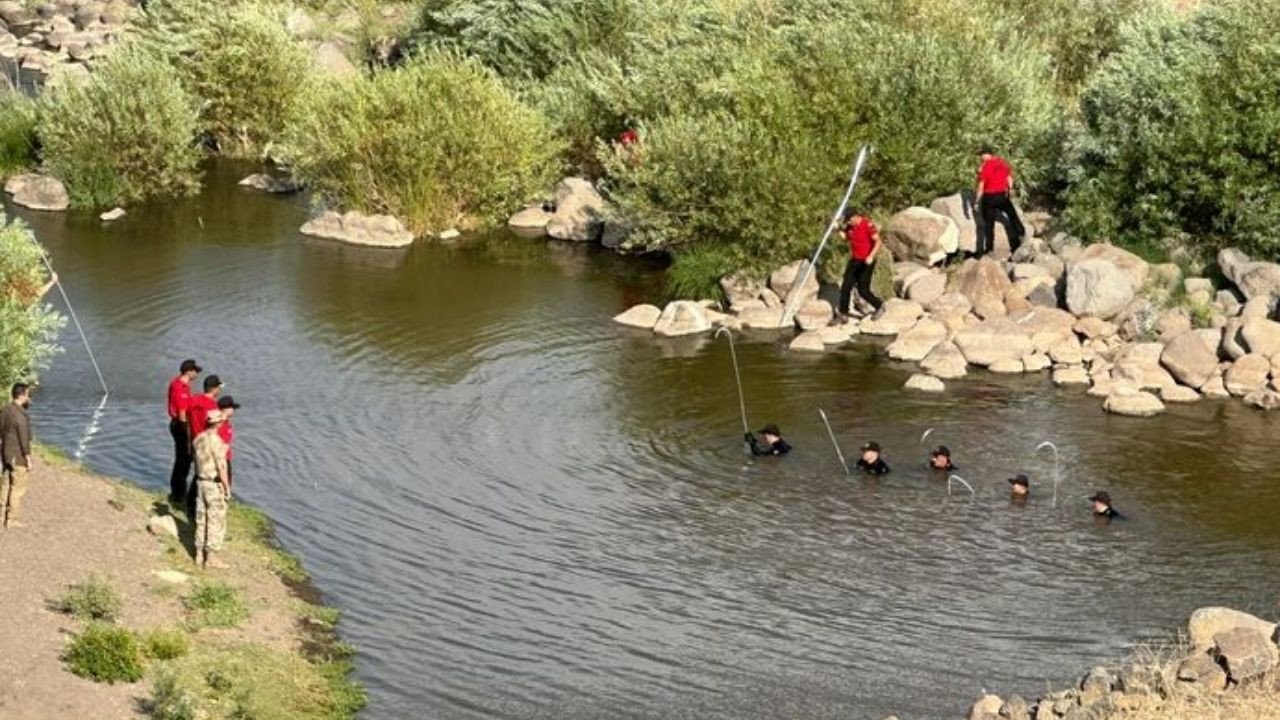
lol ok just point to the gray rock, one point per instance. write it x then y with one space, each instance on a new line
1134 267
1247 374
946 362
1201 669
1233 344
1036 362
1098 288
985 284
1070 375
949 304
1178 394
896 316
1254 279
924 383
163 526
1227 301
1245 652
359 229
838 334
992 341
1262 337
112 214
1015 708
1092 327
1173 322
1258 308
915 343
331 61
1139 404
1044 296
532 217
1264 399
682 317
987 707
580 211
809 342
1189 359
920 234
38 192
740 290
1206 622
814 315
639 316
927 288
785 282
762 318
270 183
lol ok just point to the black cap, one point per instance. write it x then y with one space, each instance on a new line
771 429
1103 497
986 149
188 365
212 382
226 401
871 446
942 450
1020 479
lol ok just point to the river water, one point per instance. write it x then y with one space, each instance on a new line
527 512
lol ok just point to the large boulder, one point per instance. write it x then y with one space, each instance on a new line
580 211
1262 336
1189 359
918 341
682 317
1247 374
785 282
926 288
1135 404
946 362
761 318
896 315
533 217
1140 362
1207 622
639 316
952 206
987 707
920 234
1134 267
1245 652
985 284
814 315
1098 288
38 192
359 229
949 304
992 341
1045 326
1254 279
741 291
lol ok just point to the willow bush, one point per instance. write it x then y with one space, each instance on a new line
438 143
17 133
123 134
1181 134
28 327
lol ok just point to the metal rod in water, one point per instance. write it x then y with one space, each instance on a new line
1051 446
926 434
960 480
834 442
835 222
742 403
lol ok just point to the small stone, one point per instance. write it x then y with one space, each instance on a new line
163 526
1139 404
172 577
1265 399
270 183
532 217
450 234
924 383
1035 362
113 214
1178 394
838 334
1071 375
639 316
810 341
682 317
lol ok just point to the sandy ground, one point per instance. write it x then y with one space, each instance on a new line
78 525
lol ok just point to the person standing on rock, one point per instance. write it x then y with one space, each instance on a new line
769 443
15 447
995 182
179 405
213 492
227 405
197 414
864 244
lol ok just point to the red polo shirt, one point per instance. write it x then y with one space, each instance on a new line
179 396
228 434
198 413
994 175
861 239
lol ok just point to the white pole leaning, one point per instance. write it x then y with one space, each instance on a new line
790 309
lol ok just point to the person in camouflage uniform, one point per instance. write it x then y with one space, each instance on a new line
213 492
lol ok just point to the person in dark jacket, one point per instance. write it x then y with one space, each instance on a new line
15 449
1102 510
769 443
871 463
940 460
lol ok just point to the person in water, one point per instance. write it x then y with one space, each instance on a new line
1102 509
871 463
769 443
940 459
1019 489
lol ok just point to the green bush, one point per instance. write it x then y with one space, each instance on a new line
17 133
92 599
169 701
438 143
160 644
104 653
239 60
216 604
124 134
1180 132
28 328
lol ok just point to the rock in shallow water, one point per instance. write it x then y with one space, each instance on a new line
358 229
639 316
1139 404
38 192
682 317
924 383
809 342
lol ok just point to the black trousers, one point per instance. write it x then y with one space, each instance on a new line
181 459
858 273
990 207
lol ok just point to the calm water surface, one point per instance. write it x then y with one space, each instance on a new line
527 512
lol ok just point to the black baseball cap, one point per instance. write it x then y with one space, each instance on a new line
212 382
1101 496
875 446
1020 479
188 365
942 450
771 429
226 401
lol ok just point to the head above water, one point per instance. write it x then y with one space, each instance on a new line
1101 501
871 451
213 385
940 458
771 433
1019 484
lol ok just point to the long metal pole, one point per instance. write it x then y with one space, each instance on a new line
835 443
790 309
742 403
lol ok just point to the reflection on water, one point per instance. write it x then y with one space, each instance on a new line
528 513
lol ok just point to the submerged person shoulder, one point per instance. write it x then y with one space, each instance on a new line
940 460
1103 512
769 443
871 463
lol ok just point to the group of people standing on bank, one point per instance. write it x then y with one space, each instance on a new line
201 480
989 203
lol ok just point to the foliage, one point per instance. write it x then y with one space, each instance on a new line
438 143
28 328
216 604
882 276
1181 134
168 701
104 653
239 60
694 272
17 133
122 135
92 599
161 644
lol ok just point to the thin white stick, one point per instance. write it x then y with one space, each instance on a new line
1051 446
742 403
834 442
960 480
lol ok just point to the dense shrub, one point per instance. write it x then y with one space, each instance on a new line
160 644
439 142
104 653
92 599
124 134
239 60
28 327
17 133
1181 135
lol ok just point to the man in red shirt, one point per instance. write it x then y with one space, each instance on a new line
179 402
864 244
228 406
995 182
197 422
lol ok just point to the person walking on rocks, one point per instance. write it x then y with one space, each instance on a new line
179 405
15 448
995 182
197 412
864 245
213 492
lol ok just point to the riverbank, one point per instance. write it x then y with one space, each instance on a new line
251 641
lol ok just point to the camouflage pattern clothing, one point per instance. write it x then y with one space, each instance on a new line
211 499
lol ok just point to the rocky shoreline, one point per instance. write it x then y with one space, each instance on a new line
1134 334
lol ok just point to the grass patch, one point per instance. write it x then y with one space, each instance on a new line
17 133
104 653
165 644
249 523
216 604
92 599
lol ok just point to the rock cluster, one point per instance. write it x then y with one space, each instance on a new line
42 43
578 214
